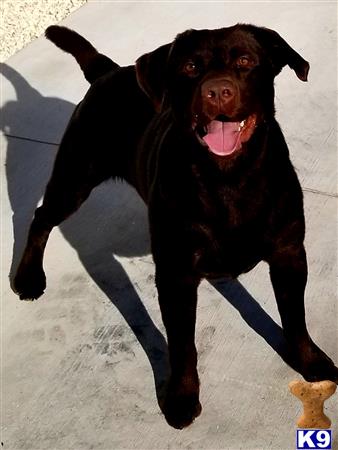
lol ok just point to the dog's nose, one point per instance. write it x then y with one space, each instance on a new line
216 91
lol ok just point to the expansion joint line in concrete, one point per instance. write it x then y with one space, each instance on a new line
305 189
31 140
325 194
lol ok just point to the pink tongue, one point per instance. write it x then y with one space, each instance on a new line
223 138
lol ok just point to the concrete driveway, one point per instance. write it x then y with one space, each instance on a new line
83 367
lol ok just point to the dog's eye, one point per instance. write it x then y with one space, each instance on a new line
245 61
190 68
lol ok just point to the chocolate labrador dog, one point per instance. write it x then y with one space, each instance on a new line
191 126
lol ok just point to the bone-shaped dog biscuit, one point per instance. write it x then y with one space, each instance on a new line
313 395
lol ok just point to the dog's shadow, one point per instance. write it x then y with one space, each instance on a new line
112 221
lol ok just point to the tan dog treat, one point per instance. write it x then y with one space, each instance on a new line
313 396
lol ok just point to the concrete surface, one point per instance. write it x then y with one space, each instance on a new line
82 366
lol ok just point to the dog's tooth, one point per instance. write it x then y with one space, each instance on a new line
241 125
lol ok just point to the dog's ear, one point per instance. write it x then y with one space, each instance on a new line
151 74
280 52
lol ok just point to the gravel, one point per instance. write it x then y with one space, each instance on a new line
24 20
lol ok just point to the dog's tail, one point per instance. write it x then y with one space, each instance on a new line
92 63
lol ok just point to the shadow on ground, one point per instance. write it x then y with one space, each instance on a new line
113 221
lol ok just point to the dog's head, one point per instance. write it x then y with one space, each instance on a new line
219 83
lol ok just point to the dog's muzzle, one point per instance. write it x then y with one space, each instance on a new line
213 123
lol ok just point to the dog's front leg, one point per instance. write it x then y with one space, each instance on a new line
288 271
178 301
69 186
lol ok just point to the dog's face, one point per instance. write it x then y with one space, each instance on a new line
219 83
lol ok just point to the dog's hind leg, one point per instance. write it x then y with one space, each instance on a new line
71 182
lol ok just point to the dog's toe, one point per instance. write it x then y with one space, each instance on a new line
30 283
180 411
322 371
320 368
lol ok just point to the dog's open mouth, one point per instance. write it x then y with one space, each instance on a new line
224 137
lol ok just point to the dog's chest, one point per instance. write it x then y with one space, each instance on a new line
228 229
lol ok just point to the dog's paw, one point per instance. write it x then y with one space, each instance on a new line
181 410
29 282
321 370
317 366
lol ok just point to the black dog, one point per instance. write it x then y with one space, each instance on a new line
192 128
